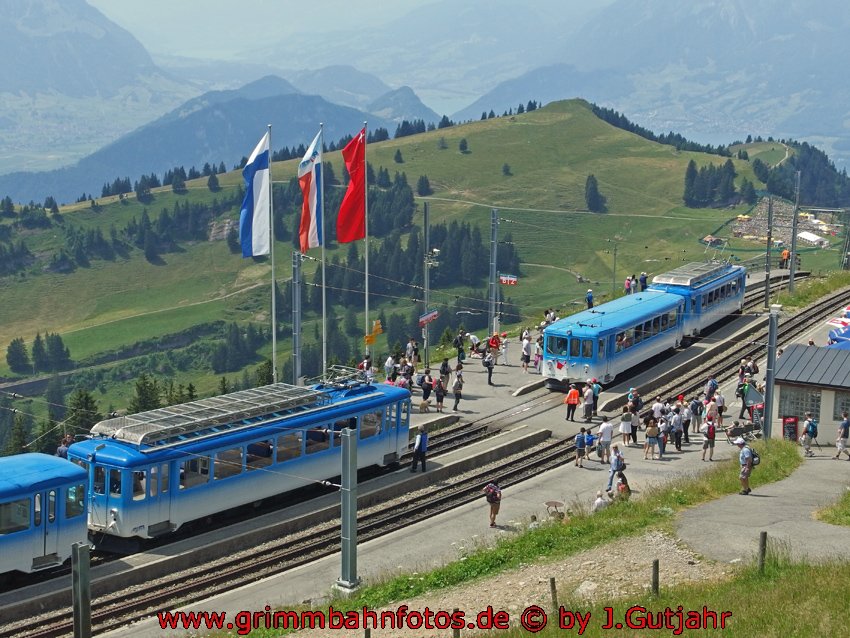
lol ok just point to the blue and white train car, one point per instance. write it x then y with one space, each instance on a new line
610 338
713 290
42 511
154 471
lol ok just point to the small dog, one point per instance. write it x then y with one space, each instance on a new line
425 406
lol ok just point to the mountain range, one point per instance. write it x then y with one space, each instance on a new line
713 70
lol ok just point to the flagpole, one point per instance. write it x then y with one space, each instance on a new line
366 228
322 209
271 253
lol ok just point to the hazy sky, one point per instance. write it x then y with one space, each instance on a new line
219 29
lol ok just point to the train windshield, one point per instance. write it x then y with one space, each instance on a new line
557 346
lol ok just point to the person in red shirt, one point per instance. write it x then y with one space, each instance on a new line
494 343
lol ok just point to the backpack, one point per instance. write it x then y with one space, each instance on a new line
755 368
457 386
492 493
619 464
458 342
756 457
739 391
712 432
420 379
812 429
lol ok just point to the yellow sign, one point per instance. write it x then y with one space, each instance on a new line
369 339
376 327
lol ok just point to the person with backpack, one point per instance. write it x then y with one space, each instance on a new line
581 447
709 434
445 372
457 386
493 495
426 383
810 433
676 427
458 344
439 392
618 464
710 388
741 392
746 460
489 364
597 390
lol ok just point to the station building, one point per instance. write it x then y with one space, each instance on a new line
811 379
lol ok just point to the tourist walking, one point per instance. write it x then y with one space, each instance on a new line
709 433
493 495
841 440
626 424
618 464
651 438
587 398
745 458
605 434
581 447
525 357
489 364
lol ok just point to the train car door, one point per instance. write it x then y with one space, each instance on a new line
45 527
159 495
105 487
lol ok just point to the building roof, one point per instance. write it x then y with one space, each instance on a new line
811 365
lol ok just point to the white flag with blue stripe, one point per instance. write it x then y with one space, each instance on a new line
254 218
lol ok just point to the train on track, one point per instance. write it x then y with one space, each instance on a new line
42 511
147 474
606 340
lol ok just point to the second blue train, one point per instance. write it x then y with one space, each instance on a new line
606 340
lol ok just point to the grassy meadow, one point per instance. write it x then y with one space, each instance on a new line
550 151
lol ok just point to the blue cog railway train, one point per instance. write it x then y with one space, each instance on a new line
42 511
147 474
606 340
151 472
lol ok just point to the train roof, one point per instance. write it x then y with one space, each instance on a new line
696 274
200 425
24 473
622 312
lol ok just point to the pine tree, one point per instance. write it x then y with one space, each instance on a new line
506 169
423 186
147 395
212 182
397 158
592 197
264 373
463 146
689 196
17 436
17 356
82 412
39 354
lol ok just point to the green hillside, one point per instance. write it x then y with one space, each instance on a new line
550 152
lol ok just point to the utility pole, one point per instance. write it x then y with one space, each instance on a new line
793 267
429 262
614 274
767 253
494 242
772 329
296 317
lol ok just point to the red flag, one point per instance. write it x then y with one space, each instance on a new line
351 221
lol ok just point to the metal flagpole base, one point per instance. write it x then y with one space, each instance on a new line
347 588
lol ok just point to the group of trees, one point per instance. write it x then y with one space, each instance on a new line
715 186
48 354
238 348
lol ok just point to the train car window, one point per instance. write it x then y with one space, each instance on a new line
115 482
288 446
638 333
74 500
193 473
164 476
664 320
587 348
389 417
557 346
575 347
37 510
629 338
370 424
602 348
339 426
260 454
702 302
99 486
672 318
647 330
733 287
693 305
15 516
139 483
618 345
81 463
51 506
227 463
318 440
656 325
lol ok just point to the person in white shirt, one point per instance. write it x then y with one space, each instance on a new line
606 432
389 366
473 345
657 409
600 503
721 406
525 358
